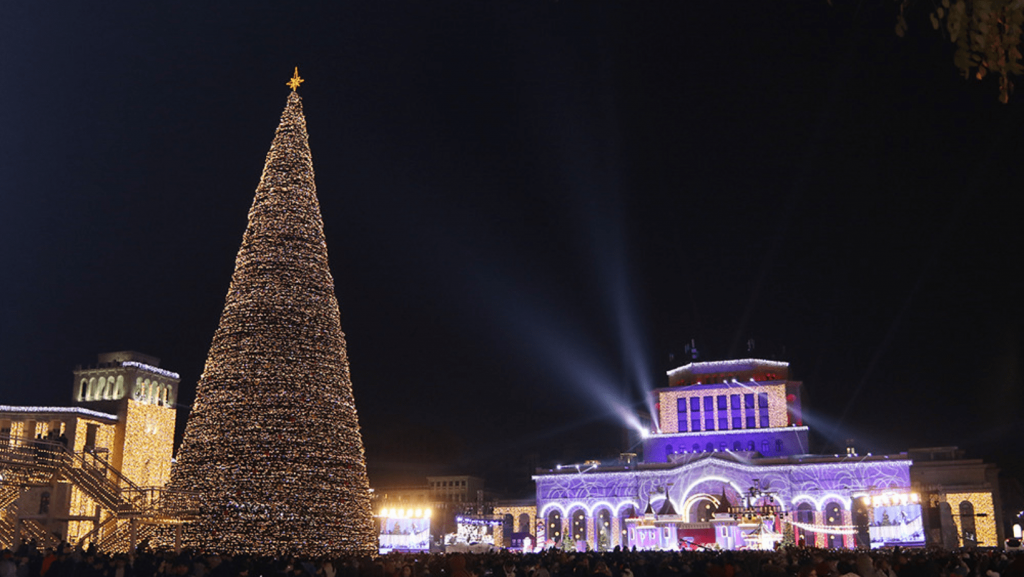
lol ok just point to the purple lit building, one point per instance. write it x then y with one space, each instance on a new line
728 467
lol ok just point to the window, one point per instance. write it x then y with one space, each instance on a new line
709 413
804 514
750 446
764 447
695 413
834 516
723 413
737 413
90 436
737 446
722 447
748 404
762 405
778 446
696 447
968 524
681 413
710 447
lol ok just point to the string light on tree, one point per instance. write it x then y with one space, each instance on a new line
272 444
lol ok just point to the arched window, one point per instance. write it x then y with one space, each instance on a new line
625 513
507 528
524 523
710 447
696 447
737 446
603 530
834 517
119 387
554 528
579 525
967 524
703 510
83 391
804 514
778 446
764 447
750 446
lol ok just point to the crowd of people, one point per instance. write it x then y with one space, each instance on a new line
68 561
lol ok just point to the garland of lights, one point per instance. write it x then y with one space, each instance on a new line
77 410
477 521
272 444
151 369
826 529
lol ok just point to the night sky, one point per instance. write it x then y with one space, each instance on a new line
529 208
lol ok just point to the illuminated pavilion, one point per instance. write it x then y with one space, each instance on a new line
94 472
728 467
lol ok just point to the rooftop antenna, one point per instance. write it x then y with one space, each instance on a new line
691 349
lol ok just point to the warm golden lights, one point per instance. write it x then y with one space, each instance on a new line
295 81
272 443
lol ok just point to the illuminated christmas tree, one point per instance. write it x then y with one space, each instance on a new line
272 444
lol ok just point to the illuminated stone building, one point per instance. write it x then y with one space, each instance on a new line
962 497
729 443
77 472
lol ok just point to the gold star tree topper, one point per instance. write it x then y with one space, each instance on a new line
295 81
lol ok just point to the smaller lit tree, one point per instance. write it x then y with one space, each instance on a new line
788 534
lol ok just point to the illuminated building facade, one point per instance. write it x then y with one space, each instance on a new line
962 497
727 466
434 507
740 406
114 450
456 488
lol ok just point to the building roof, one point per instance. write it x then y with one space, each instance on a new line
735 384
58 410
723 504
742 458
731 365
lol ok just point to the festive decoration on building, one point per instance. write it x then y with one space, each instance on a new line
272 444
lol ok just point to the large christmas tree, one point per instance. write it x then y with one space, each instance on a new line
272 445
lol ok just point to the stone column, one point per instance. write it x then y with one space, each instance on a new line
820 539
848 540
591 526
